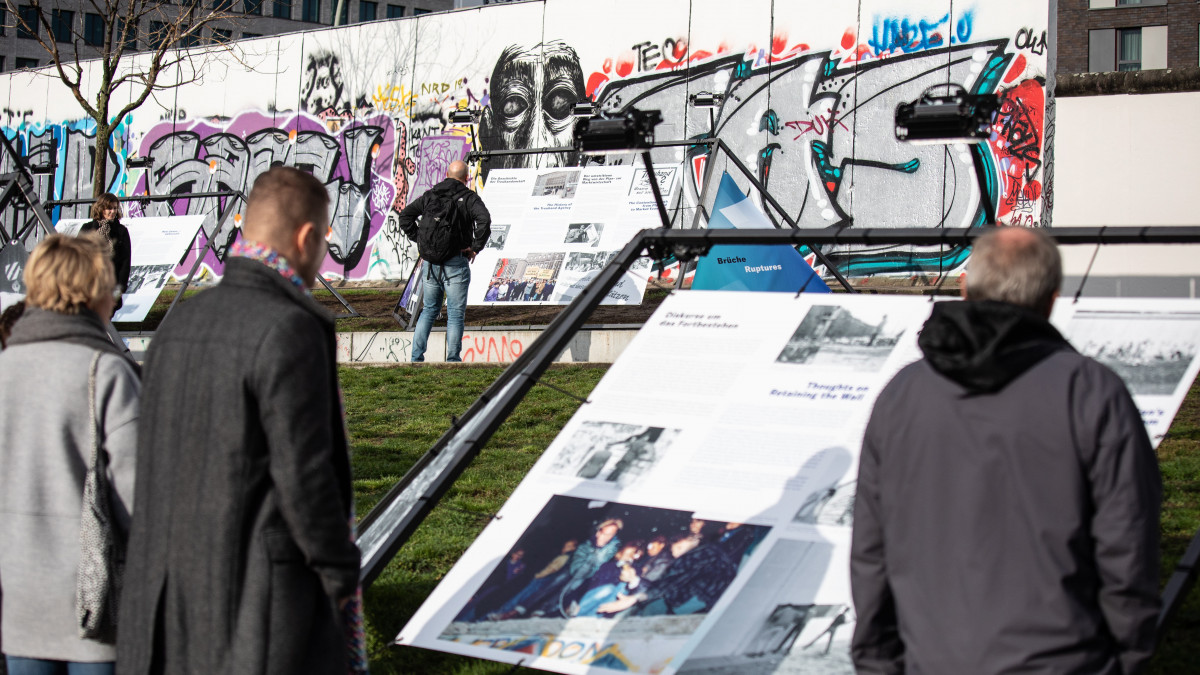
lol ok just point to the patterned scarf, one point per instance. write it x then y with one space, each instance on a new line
269 257
105 229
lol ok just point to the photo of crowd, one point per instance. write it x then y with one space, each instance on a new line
152 275
582 558
529 279
1150 351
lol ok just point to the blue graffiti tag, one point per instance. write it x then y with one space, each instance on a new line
902 35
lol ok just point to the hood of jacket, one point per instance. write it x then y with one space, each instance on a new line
985 345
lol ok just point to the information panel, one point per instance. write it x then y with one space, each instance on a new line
553 230
702 525
158 244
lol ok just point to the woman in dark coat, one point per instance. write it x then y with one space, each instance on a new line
106 219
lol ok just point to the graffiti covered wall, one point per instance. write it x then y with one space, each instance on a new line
808 90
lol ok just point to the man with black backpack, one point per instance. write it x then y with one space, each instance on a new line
454 225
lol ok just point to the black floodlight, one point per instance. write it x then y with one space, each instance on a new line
584 108
462 116
956 117
139 162
707 99
603 134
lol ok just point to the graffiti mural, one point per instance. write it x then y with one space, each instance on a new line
355 163
808 111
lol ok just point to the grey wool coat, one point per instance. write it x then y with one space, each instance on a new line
242 550
45 448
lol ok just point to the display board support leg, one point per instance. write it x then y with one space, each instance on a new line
1179 584
208 246
351 312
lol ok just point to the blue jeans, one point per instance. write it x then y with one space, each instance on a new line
450 279
22 666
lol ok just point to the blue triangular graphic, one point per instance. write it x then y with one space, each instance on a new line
750 268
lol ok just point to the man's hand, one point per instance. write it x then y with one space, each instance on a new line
470 254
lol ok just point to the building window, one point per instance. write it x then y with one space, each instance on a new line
3 21
311 11
1122 3
61 21
28 27
187 39
1 63
158 34
251 6
222 36
131 39
395 11
1129 49
93 29
23 62
417 11
345 12
282 9
367 11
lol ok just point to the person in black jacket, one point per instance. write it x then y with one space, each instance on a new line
106 220
449 277
1007 509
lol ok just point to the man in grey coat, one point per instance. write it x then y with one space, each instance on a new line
241 557
1007 512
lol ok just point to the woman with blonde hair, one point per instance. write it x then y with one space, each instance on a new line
68 403
106 221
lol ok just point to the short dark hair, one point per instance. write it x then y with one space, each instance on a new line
285 198
1019 269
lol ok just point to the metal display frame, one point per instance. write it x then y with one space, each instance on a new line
406 505
230 208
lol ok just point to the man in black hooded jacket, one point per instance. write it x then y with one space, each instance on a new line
1008 498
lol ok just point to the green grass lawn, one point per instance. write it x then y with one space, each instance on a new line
396 413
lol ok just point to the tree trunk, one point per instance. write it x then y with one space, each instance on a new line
100 159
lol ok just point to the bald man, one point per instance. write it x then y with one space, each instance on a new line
453 226
241 557
1007 509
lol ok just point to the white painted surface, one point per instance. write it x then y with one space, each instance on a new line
1128 160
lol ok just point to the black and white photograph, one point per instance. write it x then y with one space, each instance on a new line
150 276
588 262
560 184
778 623
830 505
841 337
1150 351
612 452
584 233
611 562
499 237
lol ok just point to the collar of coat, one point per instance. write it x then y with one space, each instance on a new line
41 325
247 272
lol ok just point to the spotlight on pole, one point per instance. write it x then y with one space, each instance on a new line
604 134
955 117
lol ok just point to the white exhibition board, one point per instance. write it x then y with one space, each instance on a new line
158 244
553 230
754 445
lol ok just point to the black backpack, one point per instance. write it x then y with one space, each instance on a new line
440 235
